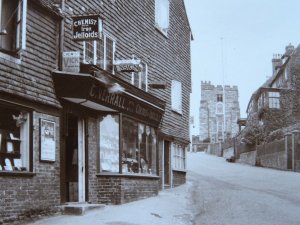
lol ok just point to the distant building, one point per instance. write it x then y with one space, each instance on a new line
219 112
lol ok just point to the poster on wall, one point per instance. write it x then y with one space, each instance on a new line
47 140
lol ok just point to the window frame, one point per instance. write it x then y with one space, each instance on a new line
178 156
26 134
19 31
162 11
273 100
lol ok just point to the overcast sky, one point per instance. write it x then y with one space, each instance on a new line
247 33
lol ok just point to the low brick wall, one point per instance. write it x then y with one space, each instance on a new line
119 189
179 178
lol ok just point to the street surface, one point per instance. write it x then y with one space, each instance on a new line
216 193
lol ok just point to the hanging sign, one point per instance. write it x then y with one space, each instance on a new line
86 27
131 65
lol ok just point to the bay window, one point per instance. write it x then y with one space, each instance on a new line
14 139
12 26
100 52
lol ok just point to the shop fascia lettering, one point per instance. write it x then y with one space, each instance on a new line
87 27
102 95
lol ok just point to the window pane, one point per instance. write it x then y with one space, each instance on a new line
14 140
109 143
9 12
89 51
176 96
139 148
100 53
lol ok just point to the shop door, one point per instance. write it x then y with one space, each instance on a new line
166 163
75 160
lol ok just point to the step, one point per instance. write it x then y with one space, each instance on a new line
75 208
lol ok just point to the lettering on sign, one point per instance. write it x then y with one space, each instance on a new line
124 103
71 62
87 27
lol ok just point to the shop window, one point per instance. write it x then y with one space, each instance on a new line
139 148
176 96
162 15
14 139
109 143
100 52
12 26
140 78
178 157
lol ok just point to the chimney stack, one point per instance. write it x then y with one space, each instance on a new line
276 62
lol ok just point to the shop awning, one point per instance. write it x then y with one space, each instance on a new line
104 92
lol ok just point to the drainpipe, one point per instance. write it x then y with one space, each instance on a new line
61 35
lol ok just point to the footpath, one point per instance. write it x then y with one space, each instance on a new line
170 207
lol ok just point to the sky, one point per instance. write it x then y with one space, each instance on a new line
234 42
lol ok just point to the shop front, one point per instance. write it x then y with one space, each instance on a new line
110 147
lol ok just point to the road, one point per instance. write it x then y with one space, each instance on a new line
224 193
216 193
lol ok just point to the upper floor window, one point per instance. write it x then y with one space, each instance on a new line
12 26
274 100
162 15
100 52
219 98
219 108
176 96
14 139
140 78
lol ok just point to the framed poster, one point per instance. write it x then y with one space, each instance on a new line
47 140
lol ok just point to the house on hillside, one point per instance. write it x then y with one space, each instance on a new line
94 102
274 110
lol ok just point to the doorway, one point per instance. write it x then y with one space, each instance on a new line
75 159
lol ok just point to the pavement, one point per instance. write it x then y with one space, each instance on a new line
170 207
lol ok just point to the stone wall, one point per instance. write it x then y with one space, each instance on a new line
248 158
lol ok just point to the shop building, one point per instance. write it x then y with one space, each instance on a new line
94 102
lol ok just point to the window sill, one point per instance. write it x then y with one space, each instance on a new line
180 170
160 30
10 58
16 174
176 112
131 175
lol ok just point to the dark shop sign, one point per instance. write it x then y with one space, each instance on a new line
87 27
125 104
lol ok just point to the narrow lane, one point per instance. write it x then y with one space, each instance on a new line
224 193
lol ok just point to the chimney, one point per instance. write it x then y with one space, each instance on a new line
276 62
289 49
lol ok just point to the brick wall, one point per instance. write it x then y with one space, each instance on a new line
27 196
179 178
119 189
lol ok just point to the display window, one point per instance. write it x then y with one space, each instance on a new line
138 152
14 139
138 147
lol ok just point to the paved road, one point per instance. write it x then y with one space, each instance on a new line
229 193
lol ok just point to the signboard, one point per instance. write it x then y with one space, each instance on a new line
132 65
71 62
86 27
47 141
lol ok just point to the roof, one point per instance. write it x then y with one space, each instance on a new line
51 6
